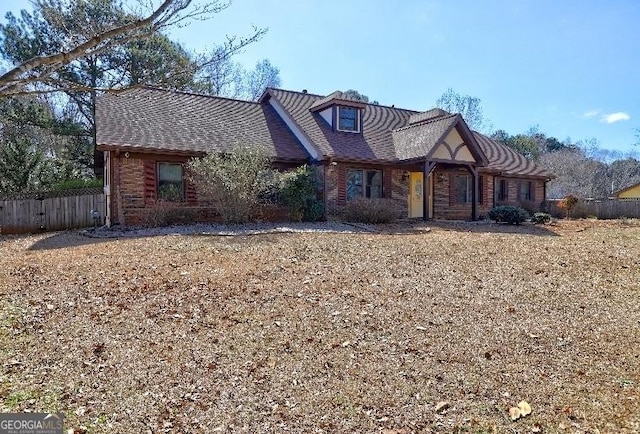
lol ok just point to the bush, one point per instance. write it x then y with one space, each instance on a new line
299 189
76 184
568 203
508 214
541 218
234 181
166 213
370 211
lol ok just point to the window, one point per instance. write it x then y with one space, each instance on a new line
364 183
463 187
480 189
348 118
503 190
170 182
525 190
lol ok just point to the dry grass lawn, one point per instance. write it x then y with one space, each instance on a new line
401 331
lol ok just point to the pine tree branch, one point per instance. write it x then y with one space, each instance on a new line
169 13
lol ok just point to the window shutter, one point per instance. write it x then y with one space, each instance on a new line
190 193
387 183
150 183
342 182
485 191
506 190
452 189
532 189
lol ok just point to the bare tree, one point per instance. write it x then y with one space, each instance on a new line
150 18
576 174
222 78
229 79
468 106
264 75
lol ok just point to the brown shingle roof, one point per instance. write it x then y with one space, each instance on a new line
170 121
336 97
385 139
504 159
417 141
162 120
429 114
374 144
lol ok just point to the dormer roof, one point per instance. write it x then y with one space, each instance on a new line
336 98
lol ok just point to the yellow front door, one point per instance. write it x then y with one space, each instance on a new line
416 191
416 195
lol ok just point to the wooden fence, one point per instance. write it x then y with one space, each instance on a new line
37 214
602 209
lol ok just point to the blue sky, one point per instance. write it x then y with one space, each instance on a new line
570 67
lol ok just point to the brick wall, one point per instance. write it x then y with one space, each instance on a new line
533 205
138 189
400 191
445 205
130 175
393 186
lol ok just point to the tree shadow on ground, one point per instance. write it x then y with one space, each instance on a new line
65 239
70 239
481 227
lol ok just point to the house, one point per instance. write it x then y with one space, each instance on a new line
631 192
429 163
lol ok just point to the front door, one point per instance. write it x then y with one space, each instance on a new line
416 193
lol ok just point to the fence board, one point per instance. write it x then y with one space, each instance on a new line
604 209
50 214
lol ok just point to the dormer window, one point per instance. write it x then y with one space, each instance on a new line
348 119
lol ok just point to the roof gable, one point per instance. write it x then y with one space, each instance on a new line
444 138
630 192
373 144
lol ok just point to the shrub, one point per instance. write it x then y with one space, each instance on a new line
530 206
508 214
76 184
299 189
234 181
166 213
568 203
363 210
541 218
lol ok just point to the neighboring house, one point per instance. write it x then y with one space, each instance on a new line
631 192
429 163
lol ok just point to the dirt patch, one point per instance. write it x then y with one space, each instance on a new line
414 328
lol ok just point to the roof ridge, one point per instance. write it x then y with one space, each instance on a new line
325 96
426 121
296 91
203 95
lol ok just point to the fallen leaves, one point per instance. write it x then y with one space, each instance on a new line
263 333
522 410
442 406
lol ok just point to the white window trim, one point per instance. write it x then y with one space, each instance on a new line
358 121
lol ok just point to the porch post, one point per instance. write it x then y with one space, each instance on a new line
474 192
428 167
